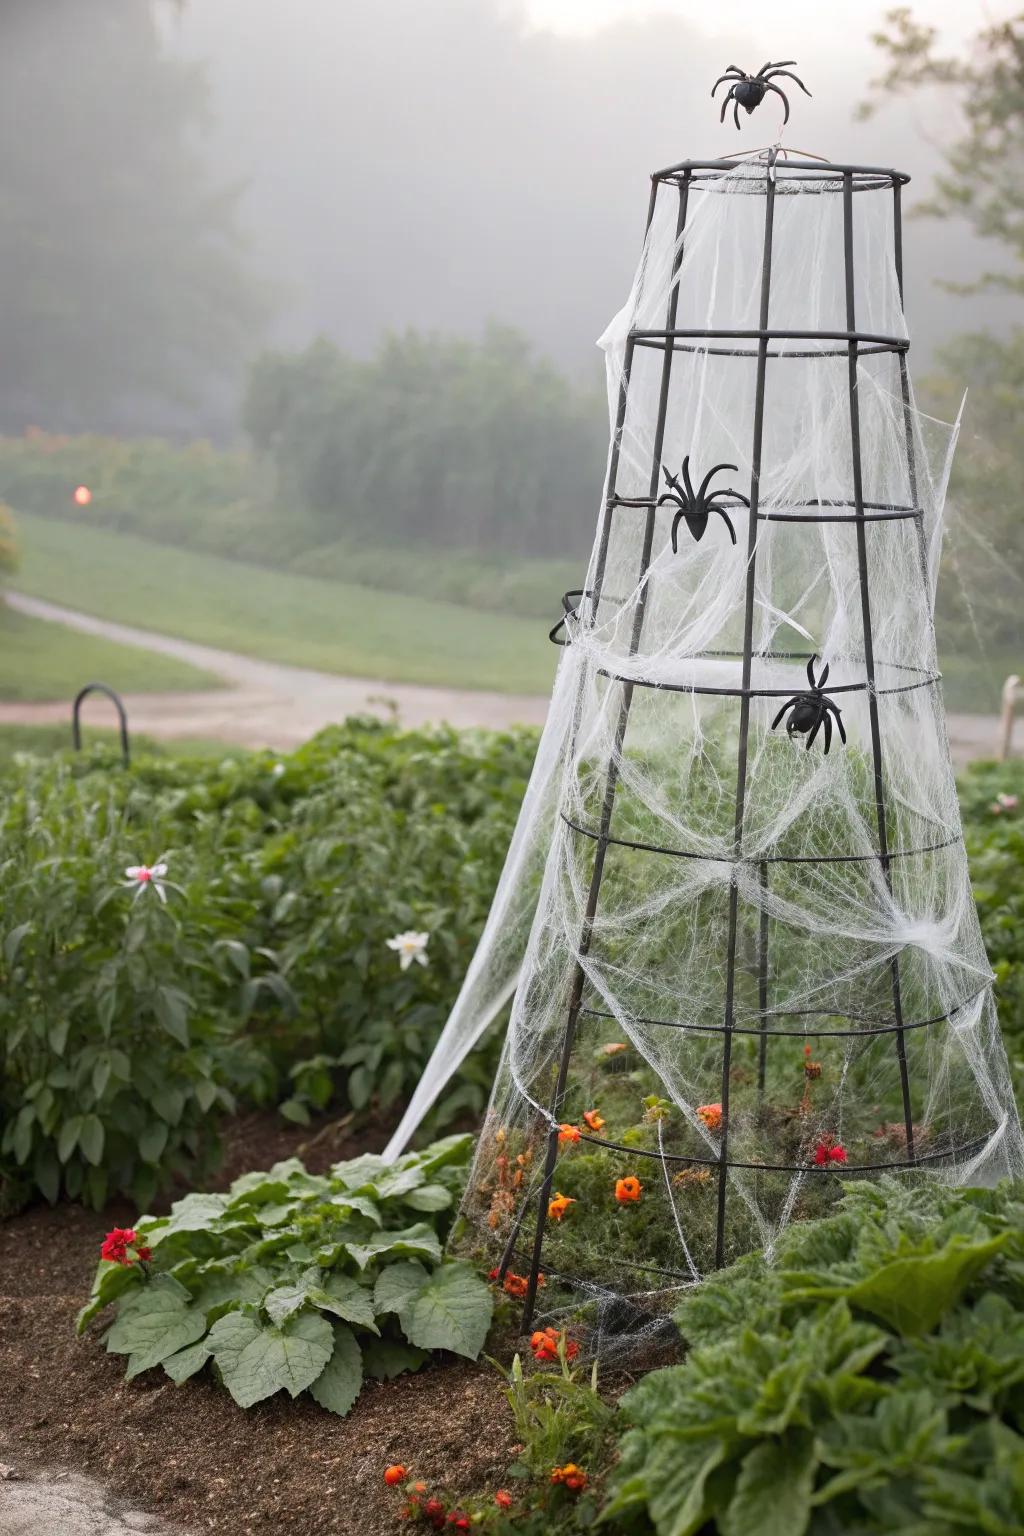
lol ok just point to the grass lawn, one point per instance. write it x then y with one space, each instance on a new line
41 661
329 625
44 740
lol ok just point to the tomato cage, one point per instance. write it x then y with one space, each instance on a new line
736 916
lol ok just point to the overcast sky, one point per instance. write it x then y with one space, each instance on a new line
439 162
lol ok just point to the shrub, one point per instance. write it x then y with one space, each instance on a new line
870 1381
126 1025
292 1281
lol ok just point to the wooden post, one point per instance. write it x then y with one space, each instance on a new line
1010 688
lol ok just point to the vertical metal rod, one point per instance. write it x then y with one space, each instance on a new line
908 419
599 573
748 645
869 650
762 984
611 781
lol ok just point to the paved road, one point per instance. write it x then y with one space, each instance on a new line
267 704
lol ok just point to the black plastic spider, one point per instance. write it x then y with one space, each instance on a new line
748 91
697 506
812 710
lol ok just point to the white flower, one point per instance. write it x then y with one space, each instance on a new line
141 875
278 770
410 947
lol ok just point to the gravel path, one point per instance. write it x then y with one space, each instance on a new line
268 704
68 1504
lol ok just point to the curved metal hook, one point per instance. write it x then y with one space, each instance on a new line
115 699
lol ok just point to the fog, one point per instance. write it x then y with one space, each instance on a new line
436 163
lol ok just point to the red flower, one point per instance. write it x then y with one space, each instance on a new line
828 1150
568 1133
458 1521
435 1512
116 1244
396 1473
710 1115
503 1499
628 1190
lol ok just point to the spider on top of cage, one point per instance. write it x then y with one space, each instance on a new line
748 91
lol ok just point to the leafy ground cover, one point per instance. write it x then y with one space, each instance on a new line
332 626
41 661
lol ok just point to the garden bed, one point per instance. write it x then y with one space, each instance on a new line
189 1453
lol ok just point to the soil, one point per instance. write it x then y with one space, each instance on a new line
188 1453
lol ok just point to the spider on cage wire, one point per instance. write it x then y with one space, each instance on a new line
695 507
810 711
748 91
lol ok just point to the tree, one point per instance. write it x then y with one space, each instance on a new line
127 302
983 183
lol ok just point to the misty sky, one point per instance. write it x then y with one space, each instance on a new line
441 162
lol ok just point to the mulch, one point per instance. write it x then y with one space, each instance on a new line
188 1453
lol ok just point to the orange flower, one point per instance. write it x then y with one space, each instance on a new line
396 1473
545 1342
419 1487
628 1190
614 1048
711 1115
568 1133
594 1121
503 1499
559 1205
570 1476
518 1285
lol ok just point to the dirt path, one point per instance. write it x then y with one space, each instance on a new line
268 704
263 703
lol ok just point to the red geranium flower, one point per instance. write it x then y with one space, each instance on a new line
828 1150
503 1499
117 1243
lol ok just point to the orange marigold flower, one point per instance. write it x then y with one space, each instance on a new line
711 1115
545 1342
568 1133
503 1499
628 1190
559 1205
396 1473
594 1121
419 1487
570 1476
615 1047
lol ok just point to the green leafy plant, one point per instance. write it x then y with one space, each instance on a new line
871 1380
294 1282
129 1027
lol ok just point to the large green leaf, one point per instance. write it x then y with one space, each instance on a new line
386 1358
187 1362
419 1241
913 1294
773 1490
256 1359
339 1383
398 1284
451 1311
155 1322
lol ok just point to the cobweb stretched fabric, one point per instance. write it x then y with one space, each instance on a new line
764 1002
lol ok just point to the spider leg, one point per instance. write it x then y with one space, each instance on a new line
785 99
730 75
727 520
839 721
727 490
736 113
675 529
814 731
810 670
686 478
823 679
788 705
725 105
827 723
761 71
781 64
789 76
710 476
672 481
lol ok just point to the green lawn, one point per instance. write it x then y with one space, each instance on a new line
328 625
40 661
44 740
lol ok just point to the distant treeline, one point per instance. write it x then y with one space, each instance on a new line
469 471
